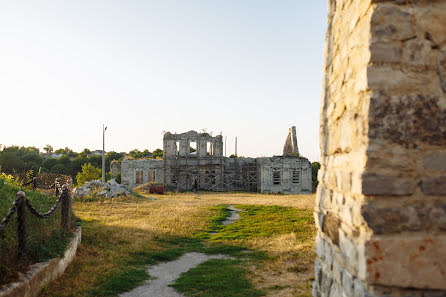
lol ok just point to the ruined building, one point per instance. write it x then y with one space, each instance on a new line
381 200
195 160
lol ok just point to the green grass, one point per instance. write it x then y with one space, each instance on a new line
266 221
44 238
217 278
227 277
130 272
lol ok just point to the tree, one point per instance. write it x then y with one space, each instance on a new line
60 169
48 149
10 162
89 172
49 163
157 154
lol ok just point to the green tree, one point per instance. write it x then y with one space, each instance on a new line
89 172
60 169
10 162
48 149
157 154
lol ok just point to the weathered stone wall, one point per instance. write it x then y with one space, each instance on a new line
130 167
290 148
294 173
381 200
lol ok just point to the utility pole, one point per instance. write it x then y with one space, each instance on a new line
225 144
103 152
236 146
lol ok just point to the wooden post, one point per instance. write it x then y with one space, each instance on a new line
21 226
66 208
34 183
56 186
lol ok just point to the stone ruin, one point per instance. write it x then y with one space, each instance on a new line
194 160
381 200
290 148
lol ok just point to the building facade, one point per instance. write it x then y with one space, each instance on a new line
194 160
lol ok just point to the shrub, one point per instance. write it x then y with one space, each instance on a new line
89 172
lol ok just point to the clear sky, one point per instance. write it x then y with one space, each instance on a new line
248 68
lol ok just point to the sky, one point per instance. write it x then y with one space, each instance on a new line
247 68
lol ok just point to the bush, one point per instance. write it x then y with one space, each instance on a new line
89 172
44 238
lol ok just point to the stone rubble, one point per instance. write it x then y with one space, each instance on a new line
110 189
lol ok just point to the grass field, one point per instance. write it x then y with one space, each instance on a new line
271 245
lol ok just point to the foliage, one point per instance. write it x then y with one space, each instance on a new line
118 178
158 153
295 154
15 159
89 172
234 156
315 166
48 149
45 239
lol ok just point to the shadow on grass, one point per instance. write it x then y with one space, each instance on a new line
127 265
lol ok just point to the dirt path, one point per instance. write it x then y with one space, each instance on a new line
166 273
234 216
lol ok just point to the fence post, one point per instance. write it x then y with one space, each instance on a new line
66 208
56 186
21 227
34 183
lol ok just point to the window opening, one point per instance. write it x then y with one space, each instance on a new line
177 148
139 177
193 147
209 148
276 177
152 176
296 176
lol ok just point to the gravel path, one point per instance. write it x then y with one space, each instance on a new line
166 274
234 216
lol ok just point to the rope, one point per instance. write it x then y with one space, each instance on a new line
8 217
43 215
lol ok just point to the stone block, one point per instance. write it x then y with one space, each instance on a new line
347 283
434 185
437 215
407 260
391 23
385 52
390 220
417 52
348 250
374 184
431 19
441 69
331 227
407 120
435 161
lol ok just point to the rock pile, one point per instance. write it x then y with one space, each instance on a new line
109 189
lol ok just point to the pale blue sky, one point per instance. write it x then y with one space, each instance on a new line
249 68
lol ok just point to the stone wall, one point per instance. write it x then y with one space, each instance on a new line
145 167
381 200
294 174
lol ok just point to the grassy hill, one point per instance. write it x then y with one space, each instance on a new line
45 239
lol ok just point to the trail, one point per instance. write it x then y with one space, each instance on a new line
167 273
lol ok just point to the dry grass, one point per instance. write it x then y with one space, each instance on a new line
113 229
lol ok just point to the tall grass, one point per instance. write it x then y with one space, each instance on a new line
44 237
